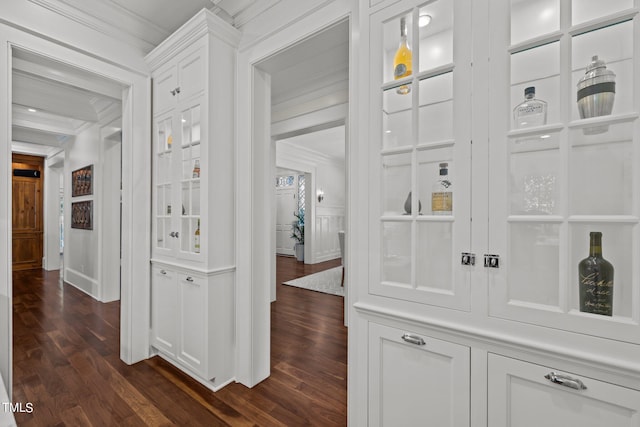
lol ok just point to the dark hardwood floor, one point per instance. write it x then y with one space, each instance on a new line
66 363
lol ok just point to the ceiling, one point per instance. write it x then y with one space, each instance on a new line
68 100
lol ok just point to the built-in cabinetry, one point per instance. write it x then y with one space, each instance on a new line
193 269
489 277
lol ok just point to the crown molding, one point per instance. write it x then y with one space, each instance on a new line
203 23
112 29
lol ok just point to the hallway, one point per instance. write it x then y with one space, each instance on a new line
66 363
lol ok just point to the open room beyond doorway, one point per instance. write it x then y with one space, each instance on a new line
102 86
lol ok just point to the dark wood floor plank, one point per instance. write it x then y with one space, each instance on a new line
66 362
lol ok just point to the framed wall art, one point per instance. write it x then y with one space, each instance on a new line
82 181
82 215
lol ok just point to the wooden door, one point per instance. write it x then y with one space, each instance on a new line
27 223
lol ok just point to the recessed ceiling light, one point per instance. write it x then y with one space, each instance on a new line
31 110
424 20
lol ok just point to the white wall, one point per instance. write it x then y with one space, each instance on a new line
53 183
81 255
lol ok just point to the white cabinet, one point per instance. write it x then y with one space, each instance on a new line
193 242
524 394
416 380
525 197
191 314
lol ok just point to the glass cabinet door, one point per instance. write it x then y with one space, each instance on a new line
564 135
190 178
421 152
164 236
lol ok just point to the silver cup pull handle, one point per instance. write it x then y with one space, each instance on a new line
565 380
412 339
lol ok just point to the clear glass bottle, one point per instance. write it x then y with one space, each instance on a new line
530 112
596 279
196 239
402 61
442 193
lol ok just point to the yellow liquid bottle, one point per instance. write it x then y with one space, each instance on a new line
402 60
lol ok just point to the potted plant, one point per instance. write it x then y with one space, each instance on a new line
297 233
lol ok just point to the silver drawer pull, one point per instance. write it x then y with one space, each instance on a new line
189 279
412 339
163 271
565 380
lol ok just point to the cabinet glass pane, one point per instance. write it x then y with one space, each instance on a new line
163 169
434 263
534 265
191 168
165 135
429 174
396 183
436 109
602 171
534 180
533 18
396 119
587 10
538 67
391 45
613 45
190 237
436 37
396 252
163 230
191 126
617 248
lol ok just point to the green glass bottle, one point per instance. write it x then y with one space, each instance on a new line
596 279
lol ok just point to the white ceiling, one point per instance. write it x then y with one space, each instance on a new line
329 142
68 100
52 102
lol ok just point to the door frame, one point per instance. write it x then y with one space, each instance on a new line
255 167
136 200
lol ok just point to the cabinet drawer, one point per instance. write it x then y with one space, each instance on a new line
417 380
520 394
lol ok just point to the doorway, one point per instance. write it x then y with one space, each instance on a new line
27 215
131 88
285 102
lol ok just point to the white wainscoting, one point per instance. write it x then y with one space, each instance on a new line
329 220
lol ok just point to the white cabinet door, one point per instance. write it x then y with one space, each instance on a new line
553 183
164 310
417 380
421 161
192 328
520 395
178 80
